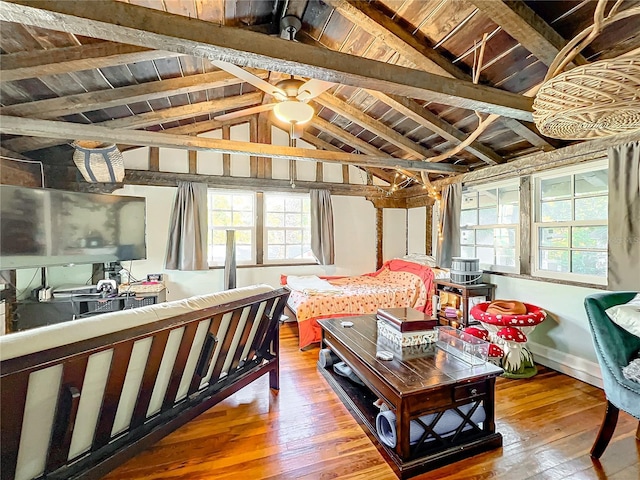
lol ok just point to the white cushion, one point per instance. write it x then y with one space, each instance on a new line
627 315
51 336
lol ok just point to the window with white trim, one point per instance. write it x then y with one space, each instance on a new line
570 237
490 225
232 210
287 228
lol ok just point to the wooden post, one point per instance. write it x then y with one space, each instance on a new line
379 237
154 159
428 243
226 158
253 137
345 174
264 136
193 162
525 225
319 172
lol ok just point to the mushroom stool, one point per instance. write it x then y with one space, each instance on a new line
510 331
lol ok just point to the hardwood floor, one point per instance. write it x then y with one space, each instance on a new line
304 432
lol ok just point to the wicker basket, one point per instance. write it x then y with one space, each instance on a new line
99 162
595 100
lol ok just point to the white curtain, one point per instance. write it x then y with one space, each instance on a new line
322 227
448 245
624 217
187 248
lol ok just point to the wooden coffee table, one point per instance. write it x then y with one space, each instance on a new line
413 385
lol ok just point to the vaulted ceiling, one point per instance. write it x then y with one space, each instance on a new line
142 73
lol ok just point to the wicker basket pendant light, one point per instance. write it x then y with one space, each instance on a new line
594 100
99 162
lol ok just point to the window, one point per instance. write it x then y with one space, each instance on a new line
281 220
232 211
287 228
570 228
489 226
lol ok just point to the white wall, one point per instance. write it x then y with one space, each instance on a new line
394 233
354 223
563 341
417 233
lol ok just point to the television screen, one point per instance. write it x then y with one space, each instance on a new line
44 227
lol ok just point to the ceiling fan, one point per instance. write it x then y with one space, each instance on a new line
292 95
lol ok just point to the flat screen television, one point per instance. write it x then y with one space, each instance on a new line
44 227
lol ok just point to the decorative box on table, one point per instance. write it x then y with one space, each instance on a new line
406 326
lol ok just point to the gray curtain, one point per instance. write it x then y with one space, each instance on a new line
449 226
624 217
322 227
187 248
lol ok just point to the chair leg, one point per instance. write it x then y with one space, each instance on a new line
606 430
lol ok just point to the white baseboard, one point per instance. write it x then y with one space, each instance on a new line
576 367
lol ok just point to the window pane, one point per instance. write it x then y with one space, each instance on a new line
274 220
468 252
589 237
556 211
506 257
219 237
222 219
504 237
554 260
243 202
469 217
554 237
293 220
221 202
293 204
484 237
591 208
243 237
274 203
592 182
469 200
294 251
242 219
559 187
243 253
589 263
275 252
294 236
275 236
488 216
306 205
509 199
486 255
509 214
487 198
467 237
306 236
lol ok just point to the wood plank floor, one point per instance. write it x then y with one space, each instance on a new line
304 432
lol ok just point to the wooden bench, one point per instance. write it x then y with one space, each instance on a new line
80 398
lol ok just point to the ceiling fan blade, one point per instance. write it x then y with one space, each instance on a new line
257 82
312 89
245 111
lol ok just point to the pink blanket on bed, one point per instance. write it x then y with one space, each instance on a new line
397 284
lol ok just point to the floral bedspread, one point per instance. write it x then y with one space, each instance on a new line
397 284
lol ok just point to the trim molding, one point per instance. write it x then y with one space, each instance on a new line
576 367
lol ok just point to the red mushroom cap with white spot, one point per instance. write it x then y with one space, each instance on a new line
495 351
512 334
477 332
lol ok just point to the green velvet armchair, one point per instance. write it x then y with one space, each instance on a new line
615 348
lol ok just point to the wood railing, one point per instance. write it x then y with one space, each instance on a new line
210 353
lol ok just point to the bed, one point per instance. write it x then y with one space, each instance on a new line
398 283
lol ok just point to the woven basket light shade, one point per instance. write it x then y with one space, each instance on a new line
595 100
99 162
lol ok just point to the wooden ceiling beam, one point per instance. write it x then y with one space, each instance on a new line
117 21
89 101
374 22
526 27
57 129
143 120
21 65
346 137
374 126
416 112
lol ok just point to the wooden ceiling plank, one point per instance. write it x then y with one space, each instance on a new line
112 20
98 100
56 129
376 23
431 121
526 27
374 126
38 63
143 120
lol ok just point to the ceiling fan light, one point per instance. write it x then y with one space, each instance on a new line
293 111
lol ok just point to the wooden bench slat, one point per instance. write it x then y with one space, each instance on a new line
13 395
177 371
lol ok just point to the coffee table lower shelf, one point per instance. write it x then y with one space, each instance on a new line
359 400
